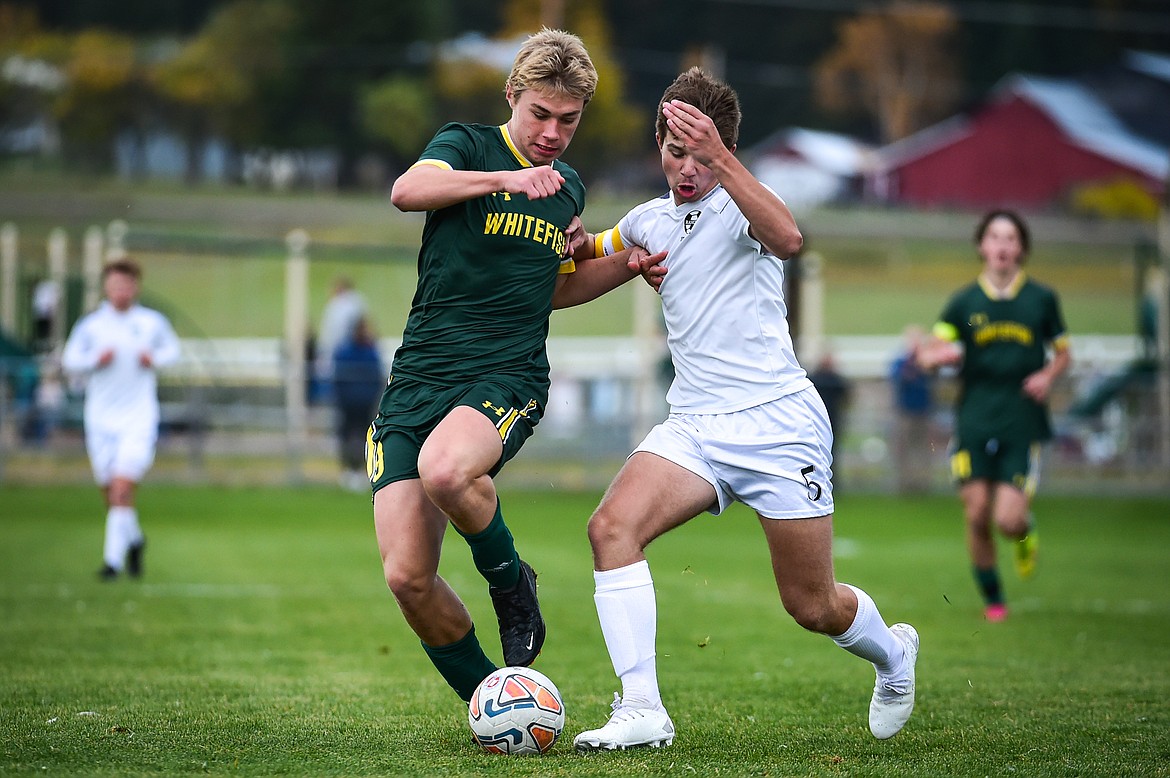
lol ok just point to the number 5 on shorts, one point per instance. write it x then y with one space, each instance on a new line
814 489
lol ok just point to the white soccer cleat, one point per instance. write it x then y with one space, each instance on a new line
628 727
893 699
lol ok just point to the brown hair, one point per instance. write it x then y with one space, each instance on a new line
125 266
1011 216
711 96
556 61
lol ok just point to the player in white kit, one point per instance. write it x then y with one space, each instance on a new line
117 348
745 422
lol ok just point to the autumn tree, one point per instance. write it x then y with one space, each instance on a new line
895 63
213 83
103 82
32 72
398 111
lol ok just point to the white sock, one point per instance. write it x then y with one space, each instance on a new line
121 523
869 638
628 614
133 530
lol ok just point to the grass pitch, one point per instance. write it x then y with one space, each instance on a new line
262 641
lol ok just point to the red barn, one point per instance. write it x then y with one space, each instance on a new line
1029 145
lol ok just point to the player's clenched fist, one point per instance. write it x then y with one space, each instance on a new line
534 182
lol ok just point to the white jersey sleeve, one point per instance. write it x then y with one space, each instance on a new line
165 347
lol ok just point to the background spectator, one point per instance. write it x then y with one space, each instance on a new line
358 381
911 389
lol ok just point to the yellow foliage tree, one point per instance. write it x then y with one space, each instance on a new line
212 81
217 73
896 63
102 74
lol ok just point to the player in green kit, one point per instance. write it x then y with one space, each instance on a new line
998 330
471 378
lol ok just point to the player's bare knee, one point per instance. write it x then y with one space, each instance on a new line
406 586
1013 526
442 481
606 531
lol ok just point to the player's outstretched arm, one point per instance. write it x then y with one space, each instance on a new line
594 277
429 186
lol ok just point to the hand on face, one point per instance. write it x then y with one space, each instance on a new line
695 130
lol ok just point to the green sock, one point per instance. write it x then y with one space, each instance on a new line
494 553
463 664
988 581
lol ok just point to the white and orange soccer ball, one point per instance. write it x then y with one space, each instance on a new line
516 710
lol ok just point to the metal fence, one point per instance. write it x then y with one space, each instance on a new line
225 420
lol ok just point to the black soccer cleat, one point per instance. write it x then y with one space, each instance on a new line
134 559
518 612
107 573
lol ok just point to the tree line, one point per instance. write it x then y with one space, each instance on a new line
375 78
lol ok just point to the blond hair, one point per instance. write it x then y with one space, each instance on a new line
554 61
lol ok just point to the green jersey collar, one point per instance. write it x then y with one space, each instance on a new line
512 146
1010 293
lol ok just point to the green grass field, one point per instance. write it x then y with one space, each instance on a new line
262 641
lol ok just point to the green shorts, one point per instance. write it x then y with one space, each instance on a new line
410 410
1015 462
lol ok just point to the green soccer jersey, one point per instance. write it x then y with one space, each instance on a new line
487 269
1004 341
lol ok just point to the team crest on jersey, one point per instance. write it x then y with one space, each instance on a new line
689 221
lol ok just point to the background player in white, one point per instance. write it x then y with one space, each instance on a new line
117 347
745 422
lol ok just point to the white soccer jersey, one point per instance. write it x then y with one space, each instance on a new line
723 299
122 395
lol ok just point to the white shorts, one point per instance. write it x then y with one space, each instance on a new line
775 458
120 453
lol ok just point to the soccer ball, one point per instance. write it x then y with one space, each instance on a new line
516 710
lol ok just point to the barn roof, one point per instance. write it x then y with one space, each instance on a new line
1084 119
1089 123
841 155
1149 63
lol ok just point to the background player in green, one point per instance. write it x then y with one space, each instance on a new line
998 330
471 378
